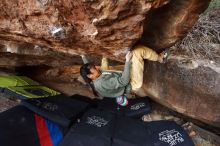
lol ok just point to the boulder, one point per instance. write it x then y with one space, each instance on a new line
190 87
54 34
96 26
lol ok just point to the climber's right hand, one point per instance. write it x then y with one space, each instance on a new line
82 55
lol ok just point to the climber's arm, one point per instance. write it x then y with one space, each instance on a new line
84 59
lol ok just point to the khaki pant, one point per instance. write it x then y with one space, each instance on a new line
140 53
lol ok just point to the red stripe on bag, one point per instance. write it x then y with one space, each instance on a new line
43 133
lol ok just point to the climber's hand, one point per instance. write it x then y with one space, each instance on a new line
128 56
82 55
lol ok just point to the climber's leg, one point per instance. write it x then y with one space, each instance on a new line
140 53
104 64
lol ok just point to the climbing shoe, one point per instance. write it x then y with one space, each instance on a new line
166 54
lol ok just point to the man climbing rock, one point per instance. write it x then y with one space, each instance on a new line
114 84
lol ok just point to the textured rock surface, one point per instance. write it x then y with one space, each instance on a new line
97 27
187 86
170 23
25 54
190 87
83 26
54 33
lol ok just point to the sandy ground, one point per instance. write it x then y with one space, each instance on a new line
7 102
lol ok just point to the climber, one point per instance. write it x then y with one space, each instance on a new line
114 84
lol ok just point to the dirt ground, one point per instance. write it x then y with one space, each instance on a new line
7 102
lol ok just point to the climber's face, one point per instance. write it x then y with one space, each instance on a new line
94 72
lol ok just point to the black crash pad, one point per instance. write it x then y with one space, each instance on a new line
92 102
21 127
60 109
94 129
135 109
130 132
102 128
167 133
